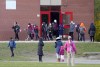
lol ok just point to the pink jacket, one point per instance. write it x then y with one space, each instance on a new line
67 47
61 50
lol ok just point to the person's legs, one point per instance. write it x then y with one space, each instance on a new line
68 59
62 58
17 36
78 36
30 35
12 53
91 38
58 57
71 34
83 37
72 59
40 58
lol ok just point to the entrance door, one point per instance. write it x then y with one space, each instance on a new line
67 18
45 17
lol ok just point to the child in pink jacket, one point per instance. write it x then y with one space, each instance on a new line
71 51
62 53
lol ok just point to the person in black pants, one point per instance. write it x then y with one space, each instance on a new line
71 29
12 45
40 49
16 28
92 31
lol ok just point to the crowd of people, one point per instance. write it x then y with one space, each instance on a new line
69 46
81 30
53 30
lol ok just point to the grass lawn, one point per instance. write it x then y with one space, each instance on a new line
34 64
28 51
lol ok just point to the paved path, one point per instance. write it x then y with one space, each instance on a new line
77 61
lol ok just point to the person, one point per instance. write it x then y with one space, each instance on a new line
29 31
55 28
36 32
61 29
16 28
58 45
92 31
44 31
71 51
12 45
62 53
82 29
40 49
78 31
71 30
50 30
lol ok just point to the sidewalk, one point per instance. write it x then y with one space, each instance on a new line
48 41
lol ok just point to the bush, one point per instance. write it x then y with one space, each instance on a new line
97 19
97 35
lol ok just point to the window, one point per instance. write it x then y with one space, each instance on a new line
50 2
10 4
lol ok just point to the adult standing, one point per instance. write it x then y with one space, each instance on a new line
71 51
12 45
71 30
58 45
55 28
16 28
92 31
36 32
50 30
78 31
61 29
40 49
29 31
82 31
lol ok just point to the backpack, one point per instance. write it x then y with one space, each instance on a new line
81 30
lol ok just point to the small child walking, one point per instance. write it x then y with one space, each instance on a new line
12 45
62 53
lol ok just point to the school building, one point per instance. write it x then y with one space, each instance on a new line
38 11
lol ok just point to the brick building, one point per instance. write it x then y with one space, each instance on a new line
38 11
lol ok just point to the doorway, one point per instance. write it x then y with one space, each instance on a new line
54 16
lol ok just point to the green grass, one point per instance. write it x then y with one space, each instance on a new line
28 51
32 64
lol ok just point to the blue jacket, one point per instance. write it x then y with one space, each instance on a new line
12 44
58 45
72 27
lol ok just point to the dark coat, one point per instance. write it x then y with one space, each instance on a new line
40 47
16 28
92 30
61 29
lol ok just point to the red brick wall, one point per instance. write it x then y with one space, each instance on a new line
26 12
83 11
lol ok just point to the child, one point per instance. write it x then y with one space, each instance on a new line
62 53
58 45
12 45
70 48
